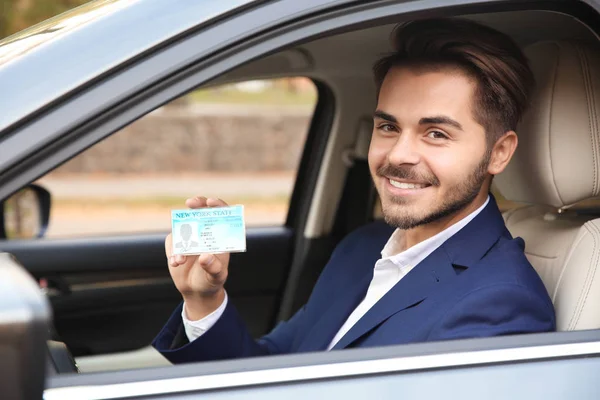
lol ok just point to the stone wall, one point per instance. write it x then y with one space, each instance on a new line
201 138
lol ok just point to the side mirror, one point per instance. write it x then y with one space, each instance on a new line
25 316
25 214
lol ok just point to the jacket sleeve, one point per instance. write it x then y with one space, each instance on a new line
228 338
494 310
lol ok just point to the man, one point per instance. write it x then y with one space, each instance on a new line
444 266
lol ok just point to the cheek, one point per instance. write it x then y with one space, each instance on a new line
454 166
449 167
378 151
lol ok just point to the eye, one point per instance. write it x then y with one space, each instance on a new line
387 128
437 135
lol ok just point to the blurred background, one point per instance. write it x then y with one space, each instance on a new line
16 15
240 142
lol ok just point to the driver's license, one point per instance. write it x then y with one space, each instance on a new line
208 230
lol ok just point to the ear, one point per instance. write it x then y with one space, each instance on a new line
502 152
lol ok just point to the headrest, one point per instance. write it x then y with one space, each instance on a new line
557 162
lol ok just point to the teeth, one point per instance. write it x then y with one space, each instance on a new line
402 185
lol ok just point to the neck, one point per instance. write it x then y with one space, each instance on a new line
421 233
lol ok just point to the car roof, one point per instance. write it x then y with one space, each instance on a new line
54 58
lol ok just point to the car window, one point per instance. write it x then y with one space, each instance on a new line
240 142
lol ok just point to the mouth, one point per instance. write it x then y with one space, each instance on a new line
405 189
407 185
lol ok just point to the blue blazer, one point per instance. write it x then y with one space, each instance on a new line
477 284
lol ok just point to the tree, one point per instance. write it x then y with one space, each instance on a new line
16 15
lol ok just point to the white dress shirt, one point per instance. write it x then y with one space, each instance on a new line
195 329
394 264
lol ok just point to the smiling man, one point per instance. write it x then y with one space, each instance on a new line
444 265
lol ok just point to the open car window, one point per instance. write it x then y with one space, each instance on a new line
240 142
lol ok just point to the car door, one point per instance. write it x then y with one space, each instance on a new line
553 366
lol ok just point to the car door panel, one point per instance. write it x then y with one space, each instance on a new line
495 368
113 294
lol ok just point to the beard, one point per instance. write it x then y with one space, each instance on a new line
459 196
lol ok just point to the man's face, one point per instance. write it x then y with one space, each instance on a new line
428 156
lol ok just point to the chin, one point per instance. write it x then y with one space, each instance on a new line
402 222
401 219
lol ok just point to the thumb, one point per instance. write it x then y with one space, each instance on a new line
210 263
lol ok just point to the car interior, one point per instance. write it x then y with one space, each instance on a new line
558 149
548 197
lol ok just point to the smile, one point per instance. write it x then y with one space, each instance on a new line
405 185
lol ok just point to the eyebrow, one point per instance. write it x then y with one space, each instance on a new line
385 116
438 119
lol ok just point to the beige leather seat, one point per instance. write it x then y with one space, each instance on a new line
557 165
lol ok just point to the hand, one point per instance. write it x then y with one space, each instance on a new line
199 278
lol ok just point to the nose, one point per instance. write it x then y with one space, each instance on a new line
405 150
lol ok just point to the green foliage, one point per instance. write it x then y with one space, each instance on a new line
16 15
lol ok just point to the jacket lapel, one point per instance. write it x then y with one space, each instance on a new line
411 289
332 318
358 263
463 249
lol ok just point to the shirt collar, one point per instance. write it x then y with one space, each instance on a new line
392 250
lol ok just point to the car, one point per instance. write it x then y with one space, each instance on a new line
75 80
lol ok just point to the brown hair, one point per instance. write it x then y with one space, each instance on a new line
504 79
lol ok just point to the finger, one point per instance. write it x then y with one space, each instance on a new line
169 245
171 262
210 264
180 259
210 202
196 202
